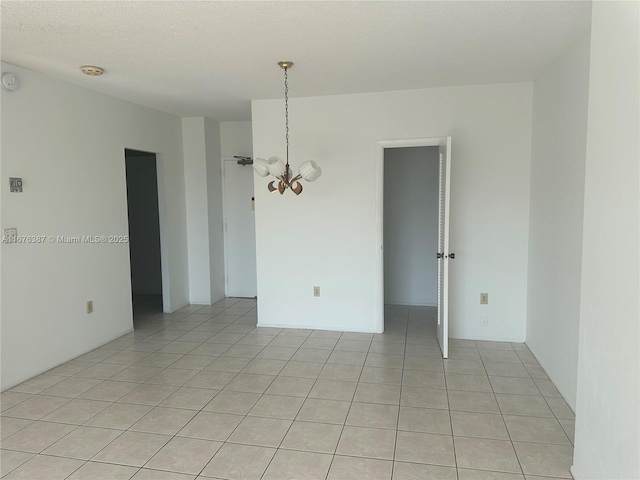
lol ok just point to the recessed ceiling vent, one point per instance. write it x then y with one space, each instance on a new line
92 70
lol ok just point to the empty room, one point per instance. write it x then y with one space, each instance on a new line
320 240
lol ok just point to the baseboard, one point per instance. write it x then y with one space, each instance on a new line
487 339
173 310
70 359
574 476
410 304
550 371
318 327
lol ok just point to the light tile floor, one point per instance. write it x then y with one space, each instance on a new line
203 393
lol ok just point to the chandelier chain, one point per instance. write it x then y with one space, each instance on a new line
286 110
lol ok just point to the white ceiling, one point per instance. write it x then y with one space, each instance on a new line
211 58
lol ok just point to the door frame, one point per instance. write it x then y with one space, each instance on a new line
381 145
163 220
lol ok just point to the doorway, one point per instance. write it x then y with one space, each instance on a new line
412 207
144 234
411 226
411 182
239 229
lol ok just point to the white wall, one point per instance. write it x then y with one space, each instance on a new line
203 182
235 139
411 225
68 145
196 189
559 143
607 441
328 235
215 207
144 226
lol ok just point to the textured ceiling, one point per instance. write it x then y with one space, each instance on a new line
211 58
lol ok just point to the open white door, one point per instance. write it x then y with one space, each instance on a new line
443 247
240 230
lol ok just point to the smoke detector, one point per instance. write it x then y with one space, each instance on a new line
92 70
9 82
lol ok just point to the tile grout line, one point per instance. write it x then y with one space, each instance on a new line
305 399
128 430
453 443
404 356
202 370
502 417
219 390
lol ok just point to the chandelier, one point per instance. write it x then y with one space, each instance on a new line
274 166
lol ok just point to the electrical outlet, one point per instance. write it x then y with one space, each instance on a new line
10 235
484 299
316 291
90 306
484 321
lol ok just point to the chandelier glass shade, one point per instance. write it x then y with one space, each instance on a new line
274 166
